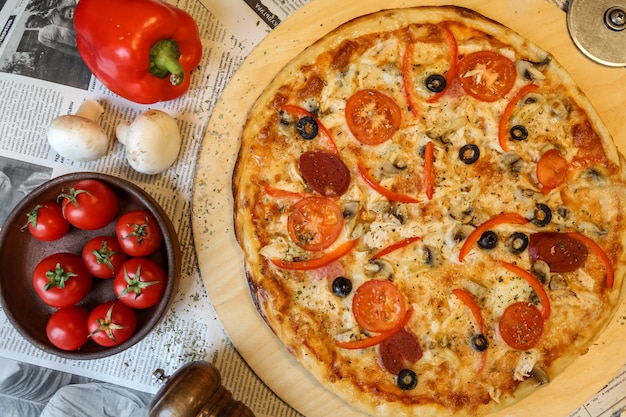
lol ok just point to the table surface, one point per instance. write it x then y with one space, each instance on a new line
221 260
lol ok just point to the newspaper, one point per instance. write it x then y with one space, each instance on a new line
38 84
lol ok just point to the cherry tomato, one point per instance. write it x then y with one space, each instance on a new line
487 75
103 256
89 204
111 323
138 233
372 116
61 280
140 283
315 223
67 328
378 306
521 325
551 170
46 222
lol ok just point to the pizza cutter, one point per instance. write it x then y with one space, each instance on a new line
598 29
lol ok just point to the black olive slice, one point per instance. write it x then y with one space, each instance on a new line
342 286
307 127
479 342
406 380
519 132
517 243
469 154
436 83
543 215
488 240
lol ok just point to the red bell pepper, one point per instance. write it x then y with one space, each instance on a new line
142 50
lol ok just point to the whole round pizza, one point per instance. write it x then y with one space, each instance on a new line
431 213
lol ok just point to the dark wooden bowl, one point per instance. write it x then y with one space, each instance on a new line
20 253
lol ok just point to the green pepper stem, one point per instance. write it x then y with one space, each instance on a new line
164 57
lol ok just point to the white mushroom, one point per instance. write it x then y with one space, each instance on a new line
152 141
78 136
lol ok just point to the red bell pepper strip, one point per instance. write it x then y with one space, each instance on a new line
278 193
600 253
407 80
142 50
508 112
471 303
534 283
511 218
429 170
301 112
453 60
377 338
338 253
395 246
391 195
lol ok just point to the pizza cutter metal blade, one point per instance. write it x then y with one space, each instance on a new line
598 29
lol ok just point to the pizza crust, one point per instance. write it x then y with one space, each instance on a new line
303 334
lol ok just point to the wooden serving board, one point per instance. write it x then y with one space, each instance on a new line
221 261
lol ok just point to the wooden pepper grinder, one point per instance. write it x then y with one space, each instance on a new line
195 390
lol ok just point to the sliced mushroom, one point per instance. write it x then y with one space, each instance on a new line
560 108
529 71
380 269
541 270
513 162
399 212
431 256
595 176
350 209
557 282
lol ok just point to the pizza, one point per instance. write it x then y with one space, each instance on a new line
431 213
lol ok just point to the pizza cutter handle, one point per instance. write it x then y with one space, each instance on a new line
195 390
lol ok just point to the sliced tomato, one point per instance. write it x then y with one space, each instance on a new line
372 116
551 170
314 263
395 246
502 218
486 75
314 223
378 306
391 195
521 326
508 112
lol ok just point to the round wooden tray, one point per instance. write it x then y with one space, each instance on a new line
221 261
